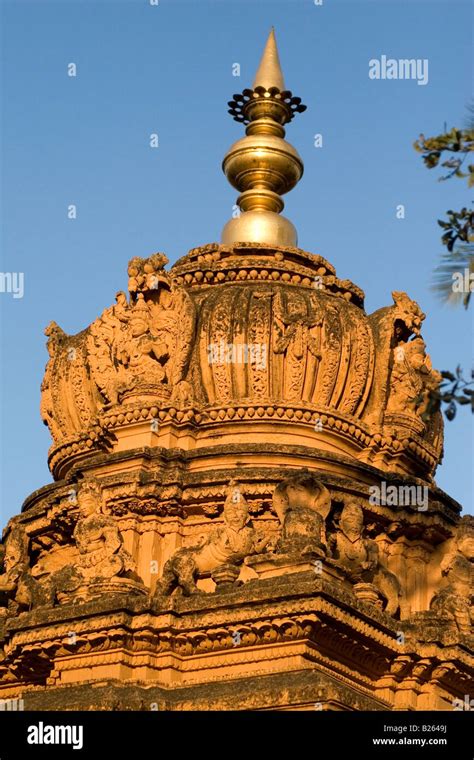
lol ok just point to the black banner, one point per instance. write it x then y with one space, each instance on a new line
129 735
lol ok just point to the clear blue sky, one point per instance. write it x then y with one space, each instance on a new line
168 69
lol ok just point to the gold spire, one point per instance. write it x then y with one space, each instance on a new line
263 165
269 72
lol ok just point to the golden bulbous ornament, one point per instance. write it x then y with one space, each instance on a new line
264 161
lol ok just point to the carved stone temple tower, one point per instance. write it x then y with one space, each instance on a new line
243 513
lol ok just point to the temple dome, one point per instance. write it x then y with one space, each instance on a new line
244 344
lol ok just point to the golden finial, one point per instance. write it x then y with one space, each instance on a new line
263 165
269 72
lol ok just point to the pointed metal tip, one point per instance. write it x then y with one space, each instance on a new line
269 73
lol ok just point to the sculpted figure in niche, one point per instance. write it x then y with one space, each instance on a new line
100 545
297 334
105 349
301 533
172 324
454 601
166 318
54 334
228 544
146 343
123 352
114 322
302 503
143 355
360 556
19 591
413 378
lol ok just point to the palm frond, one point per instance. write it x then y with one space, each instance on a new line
452 266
